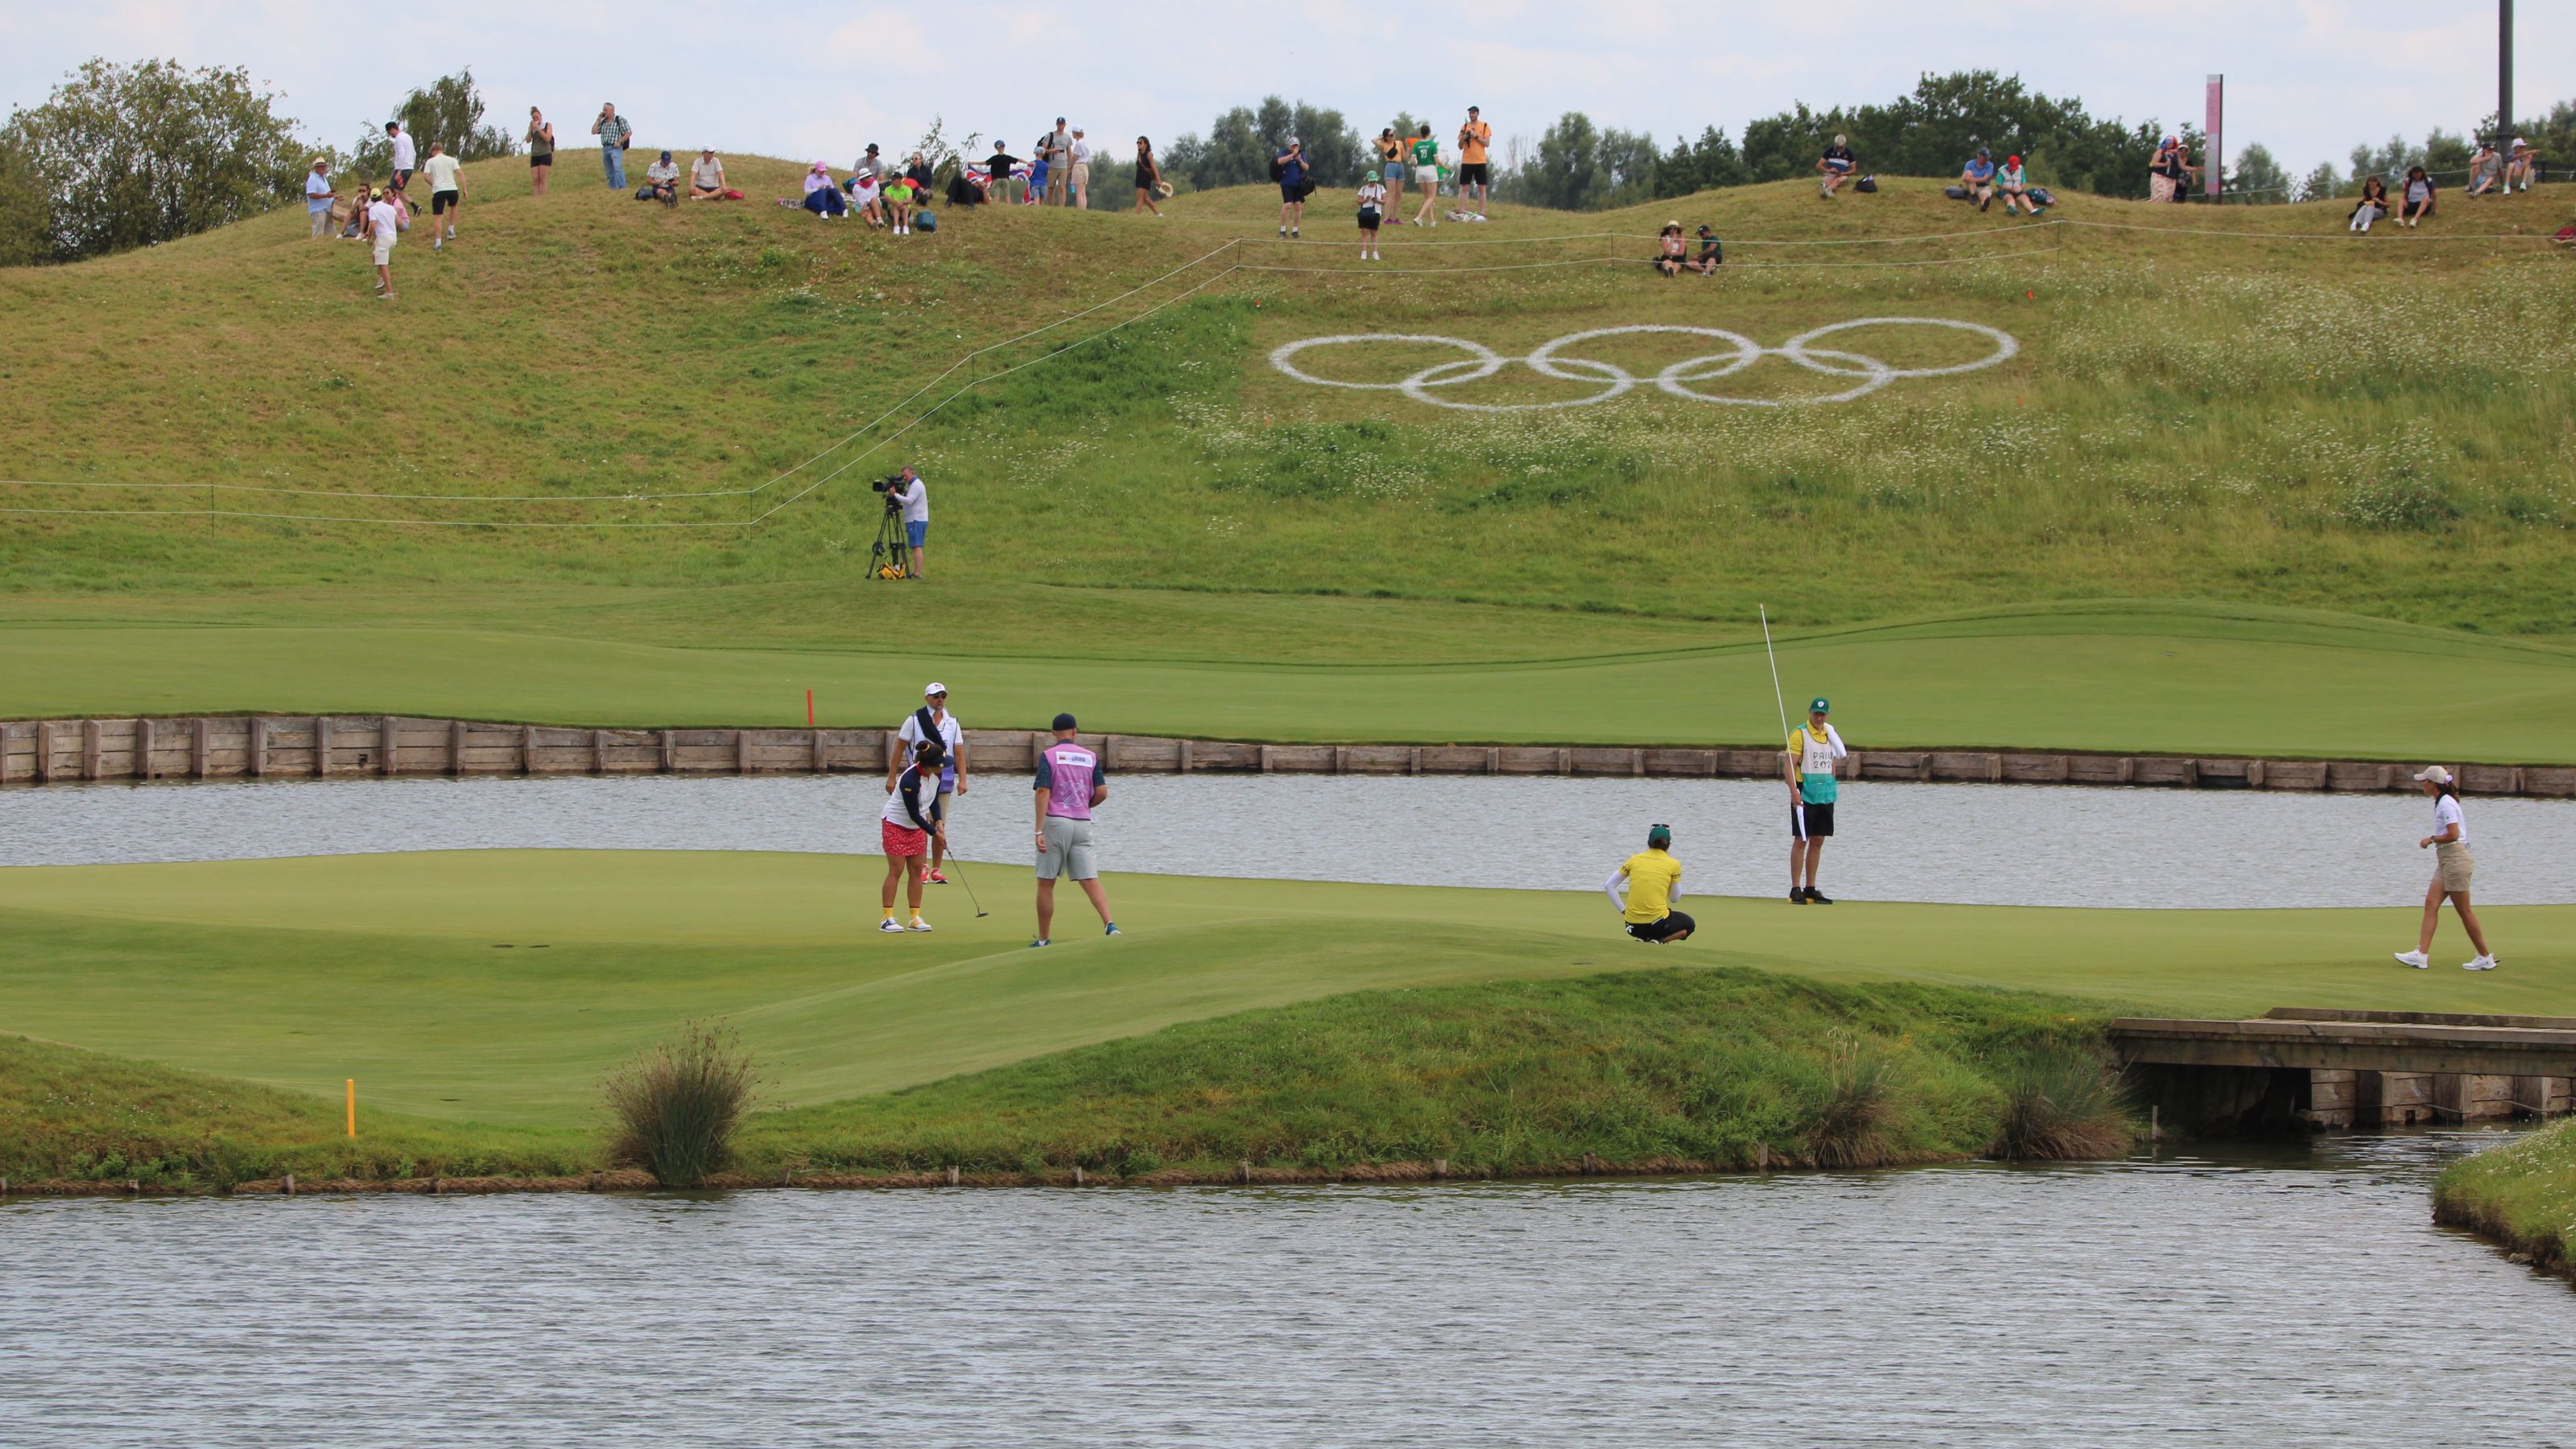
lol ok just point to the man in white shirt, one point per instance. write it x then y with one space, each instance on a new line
382 223
406 159
446 192
1081 170
317 196
914 495
933 723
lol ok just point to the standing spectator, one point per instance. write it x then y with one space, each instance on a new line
1372 216
541 150
2418 197
1149 176
1070 782
382 226
706 177
2486 169
318 199
662 181
997 171
1473 139
1835 166
1426 174
913 495
2015 187
2373 205
2522 162
1059 159
1390 168
933 723
406 156
2167 170
1081 171
1290 167
446 193
614 134
1978 177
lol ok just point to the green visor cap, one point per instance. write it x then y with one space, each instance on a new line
1821 705
1659 837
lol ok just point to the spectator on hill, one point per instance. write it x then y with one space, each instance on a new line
1672 253
872 166
1835 167
615 135
406 156
1712 253
1372 215
1978 177
822 197
706 177
921 177
2486 170
1081 171
318 199
867 198
1059 159
2016 188
1473 170
1041 174
1149 176
541 150
2373 205
383 228
2168 170
900 193
1291 169
1426 174
2523 163
2418 197
1390 167
997 173
446 193
662 182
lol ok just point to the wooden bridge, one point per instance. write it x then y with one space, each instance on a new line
2327 1068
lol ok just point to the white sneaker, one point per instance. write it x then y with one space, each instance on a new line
890 925
451 233
2416 959
918 924
2483 963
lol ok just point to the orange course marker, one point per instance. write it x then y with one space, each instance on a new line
353 1106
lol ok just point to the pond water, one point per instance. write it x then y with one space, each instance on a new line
2277 1296
1969 844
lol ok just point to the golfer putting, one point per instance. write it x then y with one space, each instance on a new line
1070 781
1812 791
2452 869
1653 881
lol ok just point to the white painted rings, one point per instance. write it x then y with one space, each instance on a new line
1612 380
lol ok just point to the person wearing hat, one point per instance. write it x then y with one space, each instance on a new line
1291 167
2486 170
1813 749
318 199
2015 187
706 177
1081 171
1835 167
1070 781
911 828
1978 176
933 723
1059 159
1473 139
1712 252
384 224
2452 869
2521 161
1654 881
662 181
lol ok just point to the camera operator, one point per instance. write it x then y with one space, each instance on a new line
905 490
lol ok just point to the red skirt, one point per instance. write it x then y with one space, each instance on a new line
902 840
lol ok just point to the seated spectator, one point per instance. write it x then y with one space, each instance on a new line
706 177
1837 167
2373 205
2486 170
1671 252
661 182
2523 163
866 198
920 175
822 197
2418 197
898 203
966 188
1712 254
1978 176
2016 188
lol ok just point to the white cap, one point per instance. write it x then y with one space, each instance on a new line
933 687
2520 142
2434 773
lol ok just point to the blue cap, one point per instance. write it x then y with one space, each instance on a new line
1064 722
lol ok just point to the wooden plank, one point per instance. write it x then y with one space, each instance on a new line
200 747
669 751
388 745
258 745
321 746
527 749
742 752
456 733
90 749
142 757
44 752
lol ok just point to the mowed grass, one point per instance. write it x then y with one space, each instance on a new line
2087 542
500 986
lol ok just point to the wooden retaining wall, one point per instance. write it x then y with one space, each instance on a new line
266 746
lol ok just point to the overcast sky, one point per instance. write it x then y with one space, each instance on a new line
2308 78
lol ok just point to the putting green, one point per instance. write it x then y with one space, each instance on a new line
500 985
2115 677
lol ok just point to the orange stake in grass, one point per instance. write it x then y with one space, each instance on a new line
353 1106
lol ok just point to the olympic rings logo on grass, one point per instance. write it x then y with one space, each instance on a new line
1678 380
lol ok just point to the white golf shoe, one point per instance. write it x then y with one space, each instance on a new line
2416 959
2483 963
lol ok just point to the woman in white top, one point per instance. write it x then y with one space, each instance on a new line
2452 869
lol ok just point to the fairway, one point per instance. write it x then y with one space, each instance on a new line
500 986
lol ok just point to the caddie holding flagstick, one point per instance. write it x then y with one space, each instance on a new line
1813 750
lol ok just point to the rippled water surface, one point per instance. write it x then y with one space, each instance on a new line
2287 1297
1975 844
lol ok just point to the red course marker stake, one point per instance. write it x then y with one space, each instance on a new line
809 709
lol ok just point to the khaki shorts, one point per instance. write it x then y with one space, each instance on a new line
384 250
1082 174
1068 851
2453 865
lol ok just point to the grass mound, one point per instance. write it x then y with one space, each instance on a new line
677 1106
2522 1196
2063 1102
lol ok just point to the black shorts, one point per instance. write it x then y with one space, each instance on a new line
540 158
1810 821
1471 173
1369 218
440 201
1673 924
401 180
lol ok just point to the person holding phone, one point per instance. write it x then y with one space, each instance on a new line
1292 170
1473 139
614 133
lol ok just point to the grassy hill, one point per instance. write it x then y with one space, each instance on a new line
2196 428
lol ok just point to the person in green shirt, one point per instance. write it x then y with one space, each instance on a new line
1813 749
1426 174
1654 881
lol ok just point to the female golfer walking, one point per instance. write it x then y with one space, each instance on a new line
2452 867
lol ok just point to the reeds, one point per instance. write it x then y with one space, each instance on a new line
675 1107
2062 1103
1855 1124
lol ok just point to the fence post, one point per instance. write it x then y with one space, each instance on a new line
742 752
91 749
142 749
258 745
670 752
199 747
456 747
321 745
387 744
44 751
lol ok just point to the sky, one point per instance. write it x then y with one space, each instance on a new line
2309 79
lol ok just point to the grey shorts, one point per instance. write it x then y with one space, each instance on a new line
1068 851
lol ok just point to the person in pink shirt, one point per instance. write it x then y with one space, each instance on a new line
1070 781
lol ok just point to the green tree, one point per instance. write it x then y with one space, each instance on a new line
123 156
2322 184
26 208
1934 130
1710 162
2260 180
450 112
1579 167
1239 147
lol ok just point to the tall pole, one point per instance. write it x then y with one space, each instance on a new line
2504 73
2216 122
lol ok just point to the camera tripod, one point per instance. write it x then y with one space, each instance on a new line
891 558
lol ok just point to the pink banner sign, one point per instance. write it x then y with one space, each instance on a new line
2216 124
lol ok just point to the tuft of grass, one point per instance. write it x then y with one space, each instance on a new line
677 1105
2063 1102
2521 1196
1863 1100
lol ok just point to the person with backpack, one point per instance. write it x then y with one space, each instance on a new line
1372 216
615 134
1295 176
1426 174
908 827
933 724
2418 198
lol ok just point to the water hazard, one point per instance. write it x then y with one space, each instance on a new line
1969 844
2277 1296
